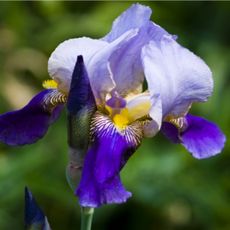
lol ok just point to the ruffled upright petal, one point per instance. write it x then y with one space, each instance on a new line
29 124
200 137
134 17
101 67
62 61
110 150
96 55
176 77
125 63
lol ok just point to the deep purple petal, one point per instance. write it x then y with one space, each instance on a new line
202 138
171 132
34 216
94 191
100 182
27 125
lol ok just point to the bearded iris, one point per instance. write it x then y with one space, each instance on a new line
109 83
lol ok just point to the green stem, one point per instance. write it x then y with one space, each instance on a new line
86 218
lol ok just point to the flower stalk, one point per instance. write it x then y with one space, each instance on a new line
86 218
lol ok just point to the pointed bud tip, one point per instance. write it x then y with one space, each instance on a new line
80 59
27 193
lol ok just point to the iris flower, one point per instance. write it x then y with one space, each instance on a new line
111 76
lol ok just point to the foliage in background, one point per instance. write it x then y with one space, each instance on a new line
171 190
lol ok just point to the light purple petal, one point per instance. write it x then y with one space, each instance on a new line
126 64
96 55
27 125
176 77
202 138
62 61
134 17
100 68
126 67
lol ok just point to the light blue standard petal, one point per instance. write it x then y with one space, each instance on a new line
29 124
175 76
200 137
134 17
125 62
96 55
99 67
62 61
34 216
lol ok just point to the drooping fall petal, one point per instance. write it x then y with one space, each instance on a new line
29 124
200 137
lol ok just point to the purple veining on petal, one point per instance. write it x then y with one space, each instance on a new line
100 182
27 125
171 132
202 138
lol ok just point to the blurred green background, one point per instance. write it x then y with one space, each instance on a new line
171 190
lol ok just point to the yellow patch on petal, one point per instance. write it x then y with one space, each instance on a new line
139 110
121 120
124 117
50 84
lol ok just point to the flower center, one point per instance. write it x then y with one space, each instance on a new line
123 112
121 120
